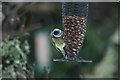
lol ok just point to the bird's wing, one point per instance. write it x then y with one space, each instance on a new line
63 52
63 42
55 46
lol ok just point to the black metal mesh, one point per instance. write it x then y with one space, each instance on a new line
75 8
74 23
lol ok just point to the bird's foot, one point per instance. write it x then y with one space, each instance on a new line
65 57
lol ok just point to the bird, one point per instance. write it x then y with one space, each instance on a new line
58 42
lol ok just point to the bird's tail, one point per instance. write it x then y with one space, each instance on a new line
64 54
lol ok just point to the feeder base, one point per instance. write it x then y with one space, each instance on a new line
66 60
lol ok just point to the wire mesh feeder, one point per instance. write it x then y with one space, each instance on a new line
74 23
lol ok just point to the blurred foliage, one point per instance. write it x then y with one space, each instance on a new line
14 58
107 67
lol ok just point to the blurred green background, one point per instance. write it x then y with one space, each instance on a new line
33 23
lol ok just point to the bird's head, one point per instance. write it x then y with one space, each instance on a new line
56 33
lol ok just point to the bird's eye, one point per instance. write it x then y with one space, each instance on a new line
56 32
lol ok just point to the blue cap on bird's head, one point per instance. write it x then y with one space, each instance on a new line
56 33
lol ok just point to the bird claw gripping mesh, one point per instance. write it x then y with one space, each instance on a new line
74 23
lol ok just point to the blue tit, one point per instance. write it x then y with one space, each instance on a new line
57 41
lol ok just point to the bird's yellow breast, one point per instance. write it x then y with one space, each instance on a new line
58 42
